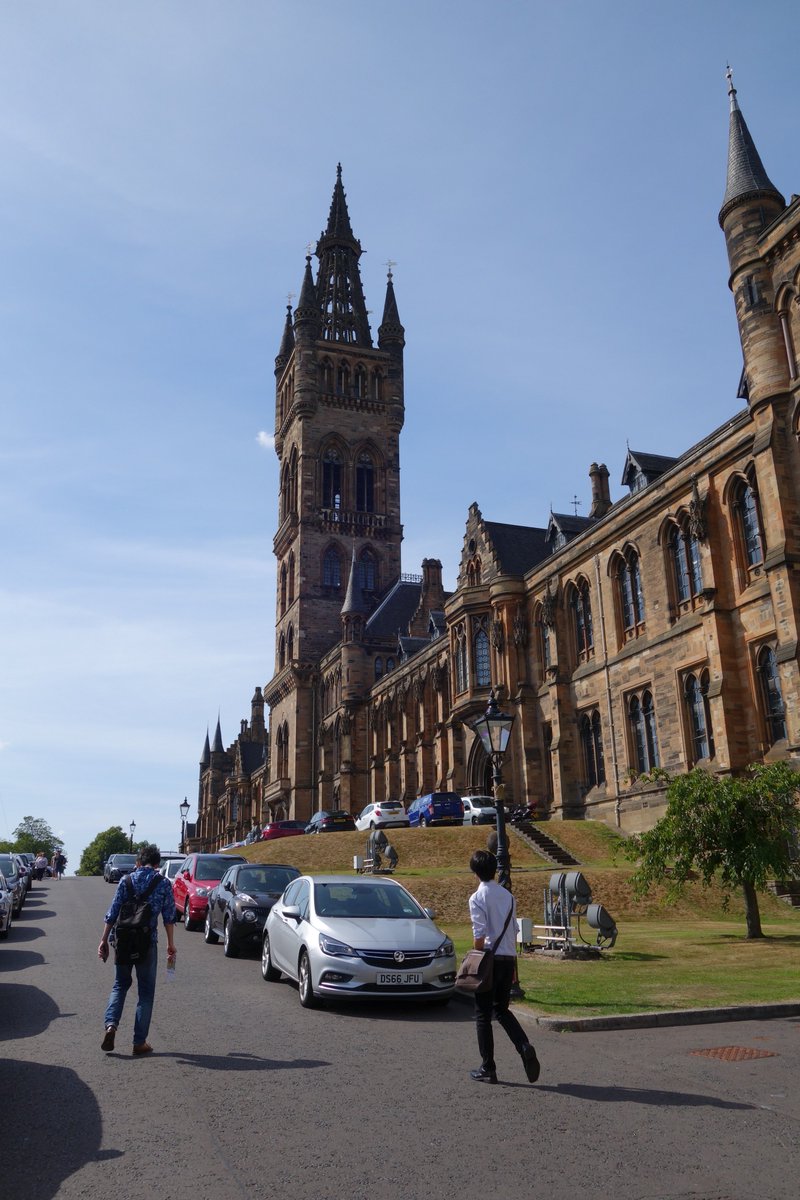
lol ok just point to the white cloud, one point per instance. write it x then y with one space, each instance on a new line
265 440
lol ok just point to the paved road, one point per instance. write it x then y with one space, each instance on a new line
248 1095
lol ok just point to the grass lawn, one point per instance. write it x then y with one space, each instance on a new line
690 955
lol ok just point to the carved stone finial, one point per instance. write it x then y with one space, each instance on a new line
549 605
498 634
520 626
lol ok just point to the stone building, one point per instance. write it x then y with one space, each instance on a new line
660 630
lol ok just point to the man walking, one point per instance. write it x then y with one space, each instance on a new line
491 911
162 904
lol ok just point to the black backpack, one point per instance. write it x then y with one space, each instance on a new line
133 932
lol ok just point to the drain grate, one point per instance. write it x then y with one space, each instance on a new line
734 1053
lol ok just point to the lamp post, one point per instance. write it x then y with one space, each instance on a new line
133 831
494 730
184 810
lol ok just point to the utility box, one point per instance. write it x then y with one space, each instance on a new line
358 862
524 931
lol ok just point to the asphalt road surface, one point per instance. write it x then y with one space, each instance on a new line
248 1095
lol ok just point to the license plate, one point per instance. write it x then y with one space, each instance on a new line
399 978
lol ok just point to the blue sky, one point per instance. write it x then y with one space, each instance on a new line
547 178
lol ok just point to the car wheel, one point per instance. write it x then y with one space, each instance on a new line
211 937
474 820
269 973
423 822
305 985
188 923
230 947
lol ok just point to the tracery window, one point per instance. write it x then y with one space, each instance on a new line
747 508
591 731
684 552
642 726
773 709
695 694
483 671
281 652
460 634
580 601
367 571
630 596
332 568
290 644
290 578
365 483
283 589
331 479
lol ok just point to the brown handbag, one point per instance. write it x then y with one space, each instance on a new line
476 973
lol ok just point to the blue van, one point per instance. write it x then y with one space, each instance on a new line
438 808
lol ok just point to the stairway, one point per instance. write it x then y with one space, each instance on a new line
789 891
543 844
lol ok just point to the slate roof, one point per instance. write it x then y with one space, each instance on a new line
395 610
409 646
252 756
518 547
746 174
650 465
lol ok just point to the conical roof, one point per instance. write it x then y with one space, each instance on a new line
206 759
354 601
747 178
339 225
391 328
218 747
287 341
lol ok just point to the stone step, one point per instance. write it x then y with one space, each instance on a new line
543 844
786 890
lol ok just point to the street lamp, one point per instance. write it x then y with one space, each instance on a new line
133 831
184 809
494 730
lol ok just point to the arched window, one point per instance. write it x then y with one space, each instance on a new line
281 652
771 695
582 616
695 691
365 483
293 481
332 568
684 554
377 385
290 577
285 492
461 658
283 589
389 665
378 667
592 743
290 645
629 590
360 382
342 379
642 724
747 507
483 673
331 479
327 375
367 571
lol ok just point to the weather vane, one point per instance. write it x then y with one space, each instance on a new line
390 262
575 502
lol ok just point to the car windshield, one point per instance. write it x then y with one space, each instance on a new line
124 860
172 868
389 804
211 868
365 900
265 879
8 866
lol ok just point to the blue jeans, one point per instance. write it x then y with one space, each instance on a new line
146 983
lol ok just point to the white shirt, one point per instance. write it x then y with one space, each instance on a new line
488 909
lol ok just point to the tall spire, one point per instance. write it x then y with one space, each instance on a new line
354 601
287 342
306 313
340 297
747 179
391 328
218 747
206 759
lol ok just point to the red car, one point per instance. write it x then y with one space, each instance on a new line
277 829
199 873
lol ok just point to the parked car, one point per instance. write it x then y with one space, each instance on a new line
479 810
386 814
198 875
361 938
25 870
330 822
169 867
238 905
438 808
6 907
9 868
117 866
279 829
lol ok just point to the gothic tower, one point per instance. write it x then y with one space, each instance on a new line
339 410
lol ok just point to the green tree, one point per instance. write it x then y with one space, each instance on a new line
742 831
110 841
34 834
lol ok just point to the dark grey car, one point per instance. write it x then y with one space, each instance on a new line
238 905
9 867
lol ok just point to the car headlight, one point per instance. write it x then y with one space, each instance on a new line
202 891
446 950
329 945
248 914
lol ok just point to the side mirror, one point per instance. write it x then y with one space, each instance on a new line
187 874
292 913
228 885
430 912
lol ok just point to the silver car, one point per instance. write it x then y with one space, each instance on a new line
362 938
6 907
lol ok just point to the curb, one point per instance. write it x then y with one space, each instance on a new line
658 1020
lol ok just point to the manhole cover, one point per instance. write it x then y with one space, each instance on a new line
734 1053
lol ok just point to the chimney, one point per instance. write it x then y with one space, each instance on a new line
431 597
601 496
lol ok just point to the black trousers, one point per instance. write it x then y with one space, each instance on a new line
494 1004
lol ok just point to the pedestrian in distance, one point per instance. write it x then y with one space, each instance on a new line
40 865
145 880
492 913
